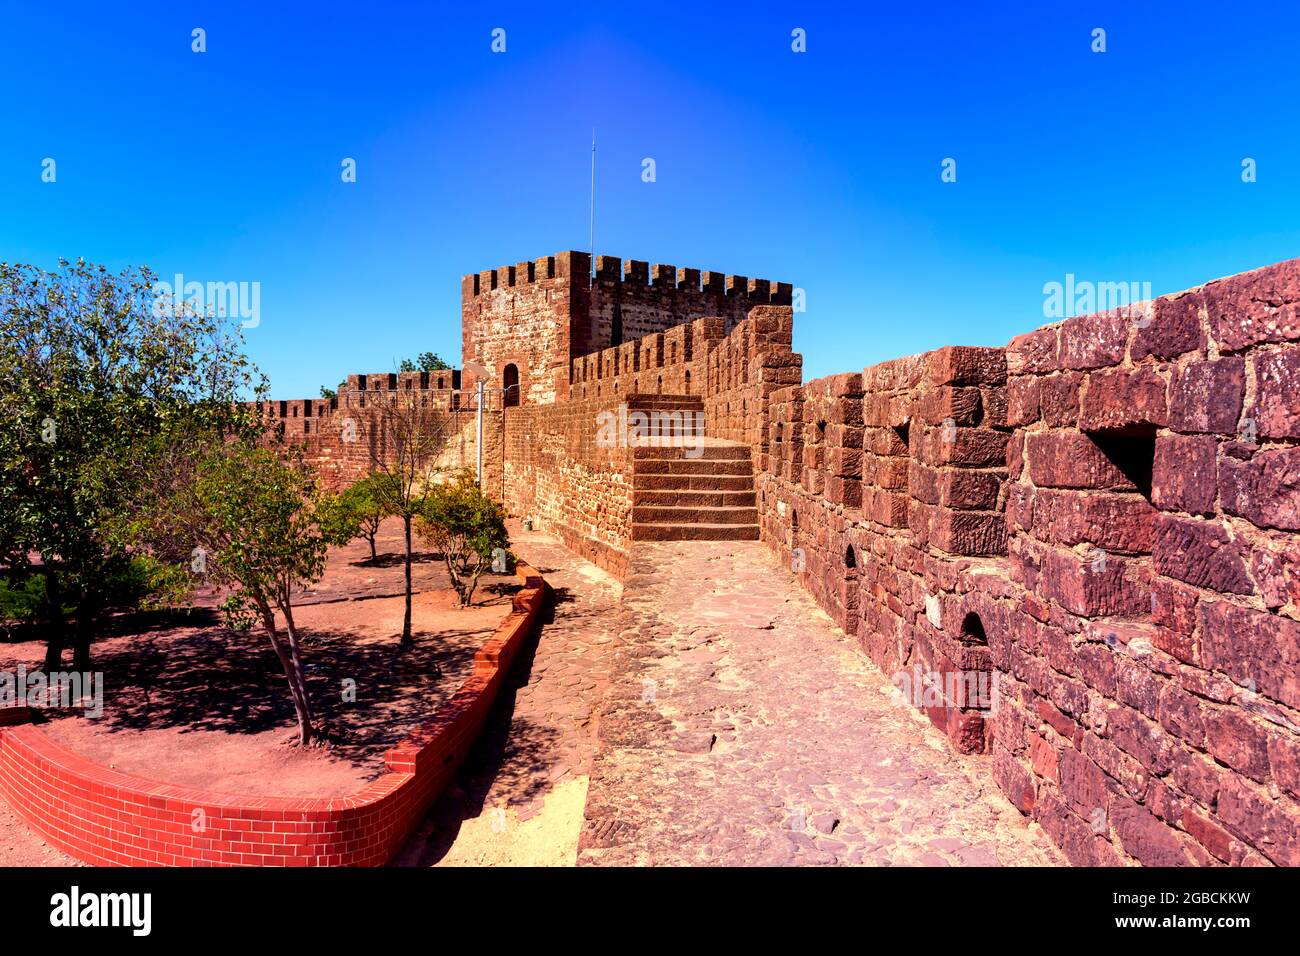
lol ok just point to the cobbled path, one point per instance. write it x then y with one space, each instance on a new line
742 727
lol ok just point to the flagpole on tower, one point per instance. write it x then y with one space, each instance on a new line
592 235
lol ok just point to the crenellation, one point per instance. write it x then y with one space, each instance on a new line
609 267
636 271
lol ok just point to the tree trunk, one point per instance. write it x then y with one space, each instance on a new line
407 640
374 556
81 640
305 728
295 654
56 623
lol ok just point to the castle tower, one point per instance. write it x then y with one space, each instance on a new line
527 322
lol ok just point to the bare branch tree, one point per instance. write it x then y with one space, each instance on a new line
411 431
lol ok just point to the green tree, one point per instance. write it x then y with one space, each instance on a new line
429 362
424 362
355 512
95 367
248 519
467 527
328 392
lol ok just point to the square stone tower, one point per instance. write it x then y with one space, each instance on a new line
527 322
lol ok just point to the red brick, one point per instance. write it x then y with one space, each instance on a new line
1234 739
1066 459
1261 486
1117 588
1174 329
1184 474
1208 396
1199 553
1118 398
1254 307
1211 836
1276 410
1254 648
1116 523
1093 341
1144 837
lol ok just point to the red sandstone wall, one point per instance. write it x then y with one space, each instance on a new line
1141 474
882 488
342 437
557 475
642 300
114 819
1154 652
522 315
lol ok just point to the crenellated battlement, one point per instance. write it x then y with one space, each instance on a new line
631 273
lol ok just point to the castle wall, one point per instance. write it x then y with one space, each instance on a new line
557 475
522 315
1103 517
343 437
635 299
1077 554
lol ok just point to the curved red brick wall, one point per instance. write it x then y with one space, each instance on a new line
115 819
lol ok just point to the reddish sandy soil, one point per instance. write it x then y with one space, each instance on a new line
190 702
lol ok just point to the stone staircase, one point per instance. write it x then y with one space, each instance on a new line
682 493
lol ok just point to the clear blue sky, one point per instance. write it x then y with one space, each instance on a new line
821 169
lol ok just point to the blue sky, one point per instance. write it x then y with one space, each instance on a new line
821 169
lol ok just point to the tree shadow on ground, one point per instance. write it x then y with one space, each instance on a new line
221 680
397 559
514 756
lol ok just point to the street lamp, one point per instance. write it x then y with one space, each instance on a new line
481 373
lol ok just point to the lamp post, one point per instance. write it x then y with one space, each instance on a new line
481 373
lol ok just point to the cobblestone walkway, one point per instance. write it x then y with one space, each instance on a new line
742 727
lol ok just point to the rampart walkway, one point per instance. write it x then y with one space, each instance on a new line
742 727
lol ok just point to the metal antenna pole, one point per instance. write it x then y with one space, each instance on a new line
592 236
480 434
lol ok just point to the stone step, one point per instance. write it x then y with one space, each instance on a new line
694 499
693 466
686 515
655 531
697 482
672 452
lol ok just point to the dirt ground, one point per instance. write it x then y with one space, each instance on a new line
518 800
188 701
